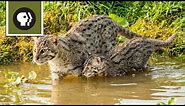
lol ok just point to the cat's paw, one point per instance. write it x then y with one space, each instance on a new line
55 76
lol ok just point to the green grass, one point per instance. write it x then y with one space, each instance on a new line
157 19
2 13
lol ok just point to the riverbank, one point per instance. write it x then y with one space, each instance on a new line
157 20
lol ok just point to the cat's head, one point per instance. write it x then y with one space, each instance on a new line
44 49
95 66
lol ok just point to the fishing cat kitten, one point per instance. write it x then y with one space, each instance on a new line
129 56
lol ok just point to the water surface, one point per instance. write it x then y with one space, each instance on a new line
166 79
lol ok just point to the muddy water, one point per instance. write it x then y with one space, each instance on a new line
166 79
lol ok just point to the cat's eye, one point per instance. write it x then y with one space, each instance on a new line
42 51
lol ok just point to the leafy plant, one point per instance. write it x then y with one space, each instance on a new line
2 13
120 20
157 31
152 19
15 79
171 101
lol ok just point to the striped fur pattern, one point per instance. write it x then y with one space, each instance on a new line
66 55
129 56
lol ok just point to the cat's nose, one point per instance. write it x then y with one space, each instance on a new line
37 58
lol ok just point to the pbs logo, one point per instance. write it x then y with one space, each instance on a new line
24 18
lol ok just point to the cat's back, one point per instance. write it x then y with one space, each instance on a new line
92 22
97 34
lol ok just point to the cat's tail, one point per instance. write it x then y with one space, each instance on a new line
168 42
126 32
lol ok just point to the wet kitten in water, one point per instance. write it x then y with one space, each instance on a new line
129 56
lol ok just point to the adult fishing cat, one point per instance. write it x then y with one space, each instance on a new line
66 55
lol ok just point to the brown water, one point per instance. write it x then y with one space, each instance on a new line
166 79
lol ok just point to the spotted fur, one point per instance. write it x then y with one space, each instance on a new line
67 54
129 56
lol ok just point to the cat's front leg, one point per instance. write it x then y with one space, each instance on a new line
57 75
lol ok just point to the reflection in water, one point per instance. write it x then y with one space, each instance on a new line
41 70
165 80
102 91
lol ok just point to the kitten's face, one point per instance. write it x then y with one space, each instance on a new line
44 49
95 66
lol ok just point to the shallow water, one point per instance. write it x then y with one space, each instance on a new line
166 79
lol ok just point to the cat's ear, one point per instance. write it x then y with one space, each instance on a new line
99 60
55 40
